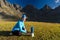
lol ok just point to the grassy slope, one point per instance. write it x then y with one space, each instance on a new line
43 31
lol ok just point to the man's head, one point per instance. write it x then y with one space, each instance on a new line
24 17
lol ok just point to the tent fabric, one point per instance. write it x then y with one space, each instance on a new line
19 26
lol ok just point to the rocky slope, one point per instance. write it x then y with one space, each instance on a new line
9 11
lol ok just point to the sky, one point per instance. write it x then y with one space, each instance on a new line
37 3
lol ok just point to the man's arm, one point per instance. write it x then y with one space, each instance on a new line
22 27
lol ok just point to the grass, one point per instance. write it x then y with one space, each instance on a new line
42 30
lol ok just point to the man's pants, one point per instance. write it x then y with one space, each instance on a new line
16 32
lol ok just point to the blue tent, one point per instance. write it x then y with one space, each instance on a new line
20 27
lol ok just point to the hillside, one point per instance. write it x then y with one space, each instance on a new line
11 11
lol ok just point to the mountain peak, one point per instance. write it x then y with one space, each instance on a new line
58 7
46 7
29 6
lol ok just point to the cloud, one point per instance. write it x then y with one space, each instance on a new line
57 1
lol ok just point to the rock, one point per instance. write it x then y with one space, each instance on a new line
10 9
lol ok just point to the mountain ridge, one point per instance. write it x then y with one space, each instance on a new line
10 9
14 12
43 14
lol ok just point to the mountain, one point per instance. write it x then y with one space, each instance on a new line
11 11
31 12
14 12
36 14
45 14
46 9
57 9
56 13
